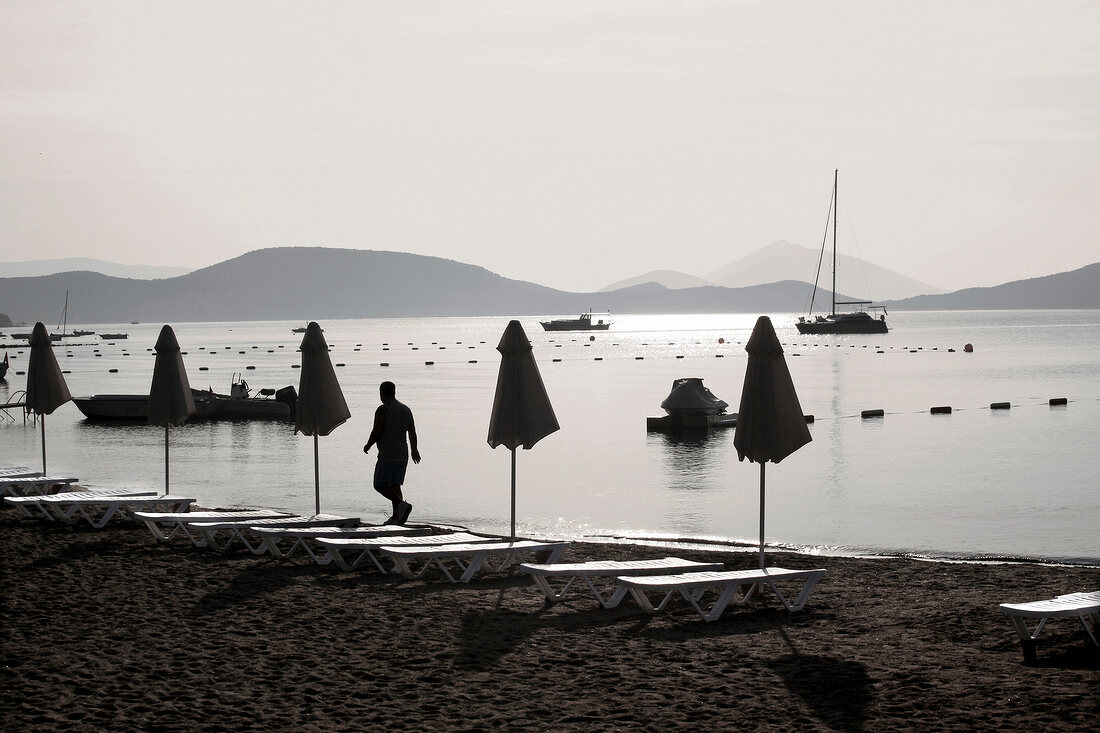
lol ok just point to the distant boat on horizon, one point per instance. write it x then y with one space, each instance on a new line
856 321
581 323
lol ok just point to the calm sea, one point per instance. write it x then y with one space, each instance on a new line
978 483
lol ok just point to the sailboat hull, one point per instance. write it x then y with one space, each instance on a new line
843 323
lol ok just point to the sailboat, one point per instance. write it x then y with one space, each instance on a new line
855 321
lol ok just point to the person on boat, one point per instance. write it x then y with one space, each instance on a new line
392 422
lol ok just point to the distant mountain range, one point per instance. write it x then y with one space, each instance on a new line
302 283
35 268
785 261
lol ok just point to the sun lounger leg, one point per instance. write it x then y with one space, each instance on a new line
319 558
1027 640
544 586
158 535
258 548
401 566
647 605
337 558
729 593
803 595
1095 618
272 545
643 601
367 552
468 571
97 523
614 599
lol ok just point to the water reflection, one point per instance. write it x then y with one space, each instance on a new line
690 459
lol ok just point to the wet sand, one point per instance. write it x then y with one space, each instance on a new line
105 630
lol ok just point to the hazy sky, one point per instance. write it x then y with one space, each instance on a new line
569 143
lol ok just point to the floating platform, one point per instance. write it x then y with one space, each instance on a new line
690 422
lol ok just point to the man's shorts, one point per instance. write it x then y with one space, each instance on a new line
390 472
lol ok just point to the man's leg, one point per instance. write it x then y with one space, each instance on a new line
393 493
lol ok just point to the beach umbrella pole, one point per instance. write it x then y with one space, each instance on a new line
513 495
166 460
316 474
43 419
762 514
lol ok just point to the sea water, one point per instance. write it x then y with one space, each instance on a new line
976 483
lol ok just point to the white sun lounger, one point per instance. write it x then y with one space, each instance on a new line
166 525
1083 606
468 558
98 510
220 536
304 538
693 587
569 572
42 505
32 485
368 547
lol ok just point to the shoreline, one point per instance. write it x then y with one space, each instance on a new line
106 630
719 545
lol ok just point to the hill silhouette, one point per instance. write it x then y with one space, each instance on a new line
781 261
1077 289
300 283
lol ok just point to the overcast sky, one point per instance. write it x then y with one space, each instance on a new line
570 143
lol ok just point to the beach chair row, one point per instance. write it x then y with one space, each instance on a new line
412 551
340 541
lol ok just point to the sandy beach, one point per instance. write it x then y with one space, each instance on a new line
106 630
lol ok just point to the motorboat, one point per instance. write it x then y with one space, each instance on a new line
691 406
690 397
583 322
114 406
209 405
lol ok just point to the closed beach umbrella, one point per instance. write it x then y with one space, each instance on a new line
170 398
522 414
321 406
46 388
770 422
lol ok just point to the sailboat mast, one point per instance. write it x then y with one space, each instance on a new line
64 324
835 207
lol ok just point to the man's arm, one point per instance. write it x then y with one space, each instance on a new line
412 442
376 431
